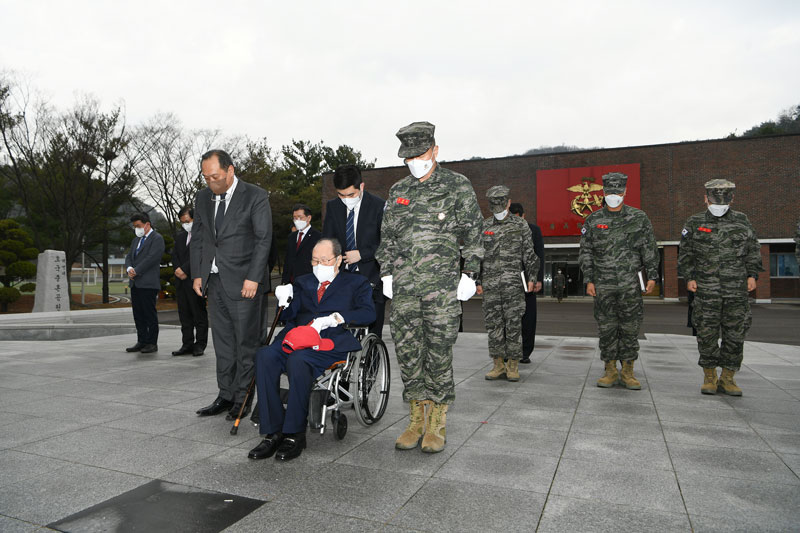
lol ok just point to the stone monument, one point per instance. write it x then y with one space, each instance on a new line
51 282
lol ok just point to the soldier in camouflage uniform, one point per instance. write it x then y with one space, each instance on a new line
616 242
720 259
426 216
508 251
559 284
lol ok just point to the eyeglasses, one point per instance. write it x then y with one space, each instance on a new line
315 262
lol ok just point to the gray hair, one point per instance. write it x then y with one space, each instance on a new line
337 247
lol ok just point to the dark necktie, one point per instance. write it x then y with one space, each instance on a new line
220 213
139 246
321 290
299 239
350 233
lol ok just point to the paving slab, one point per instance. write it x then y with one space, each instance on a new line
563 513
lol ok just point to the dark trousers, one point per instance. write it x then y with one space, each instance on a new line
529 325
301 367
145 316
235 330
193 316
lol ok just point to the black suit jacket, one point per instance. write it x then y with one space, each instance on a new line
181 258
242 247
368 231
147 263
298 261
538 249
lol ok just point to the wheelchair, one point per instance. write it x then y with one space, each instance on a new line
361 382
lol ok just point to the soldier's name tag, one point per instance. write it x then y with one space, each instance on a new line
602 226
704 230
488 233
403 201
441 216
685 232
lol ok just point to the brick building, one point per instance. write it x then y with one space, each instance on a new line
766 171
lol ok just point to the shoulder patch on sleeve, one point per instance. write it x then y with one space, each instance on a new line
684 232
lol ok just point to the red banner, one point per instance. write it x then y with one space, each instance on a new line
566 196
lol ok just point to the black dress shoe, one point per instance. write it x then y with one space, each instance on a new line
234 412
135 348
217 406
267 447
197 351
291 447
149 348
184 350
525 360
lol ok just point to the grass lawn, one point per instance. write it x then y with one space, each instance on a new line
114 287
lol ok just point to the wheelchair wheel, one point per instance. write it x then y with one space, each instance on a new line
370 375
339 425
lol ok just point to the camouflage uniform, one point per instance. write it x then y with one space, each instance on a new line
508 250
614 247
422 226
559 284
720 253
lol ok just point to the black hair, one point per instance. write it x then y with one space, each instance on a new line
346 175
304 207
186 209
141 217
335 244
516 209
223 157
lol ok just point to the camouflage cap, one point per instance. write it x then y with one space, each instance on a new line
614 183
415 139
498 198
720 191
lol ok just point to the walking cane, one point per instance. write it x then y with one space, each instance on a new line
248 395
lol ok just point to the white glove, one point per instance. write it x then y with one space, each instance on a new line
284 293
325 322
387 286
466 288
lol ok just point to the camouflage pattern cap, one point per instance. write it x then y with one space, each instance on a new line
720 191
614 183
415 139
498 198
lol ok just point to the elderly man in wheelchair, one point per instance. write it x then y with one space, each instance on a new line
314 340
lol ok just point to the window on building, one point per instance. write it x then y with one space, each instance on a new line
783 265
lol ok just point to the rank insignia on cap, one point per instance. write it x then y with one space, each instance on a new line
705 230
403 201
602 226
685 232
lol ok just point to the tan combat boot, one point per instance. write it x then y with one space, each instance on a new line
611 377
710 381
727 384
409 439
498 371
512 370
627 378
434 438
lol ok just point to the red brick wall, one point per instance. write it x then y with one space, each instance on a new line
670 270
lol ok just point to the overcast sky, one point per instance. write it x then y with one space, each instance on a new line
497 78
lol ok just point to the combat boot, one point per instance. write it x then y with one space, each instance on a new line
512 370
611 377
727 384
498 371
409 439
709 381
627 378
434 438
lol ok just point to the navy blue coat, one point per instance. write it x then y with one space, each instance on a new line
348 294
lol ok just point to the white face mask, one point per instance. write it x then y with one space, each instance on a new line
351 202
420 167
139 232
187 226
300 224
718 210
613 200
501 215
323 272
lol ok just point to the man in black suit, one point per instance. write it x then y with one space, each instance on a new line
354 219
143 264
299 245
232 232
191 307
529 318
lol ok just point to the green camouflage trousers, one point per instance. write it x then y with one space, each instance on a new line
424 332
619 313
715 317
503 317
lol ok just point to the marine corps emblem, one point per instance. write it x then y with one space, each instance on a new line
585 203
